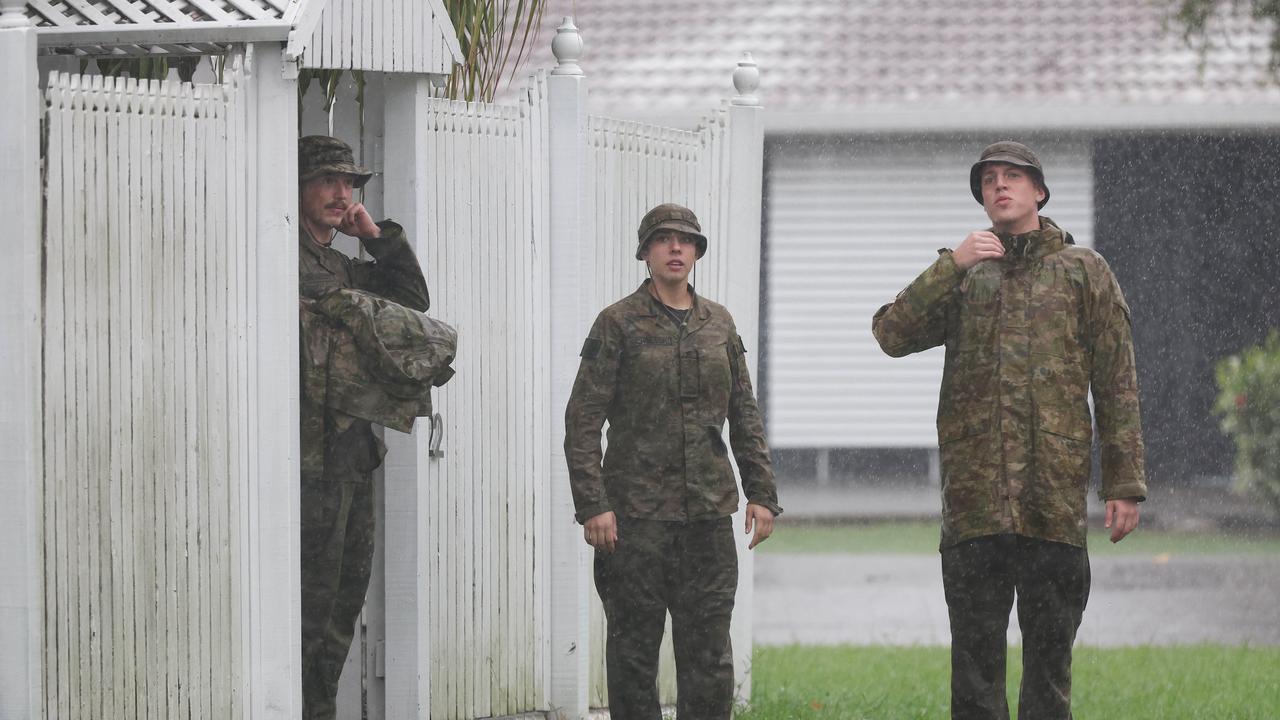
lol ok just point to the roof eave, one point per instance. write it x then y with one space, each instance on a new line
1074 116
163 34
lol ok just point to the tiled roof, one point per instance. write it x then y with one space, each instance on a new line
823 61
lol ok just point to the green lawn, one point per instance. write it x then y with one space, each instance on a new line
1203 682
922 537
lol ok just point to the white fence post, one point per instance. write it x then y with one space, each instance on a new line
742 296
20 441
408 611
274 640
572 262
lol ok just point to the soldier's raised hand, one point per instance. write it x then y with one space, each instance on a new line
979 245
357 223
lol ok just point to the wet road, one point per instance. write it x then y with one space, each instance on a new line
897 599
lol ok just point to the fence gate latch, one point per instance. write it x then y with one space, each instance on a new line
437 436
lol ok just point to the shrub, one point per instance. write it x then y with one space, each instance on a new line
1249 404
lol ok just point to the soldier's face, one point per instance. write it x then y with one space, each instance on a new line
325 199
1010 195
671 256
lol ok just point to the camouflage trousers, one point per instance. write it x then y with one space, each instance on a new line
691 570
337 555
981 577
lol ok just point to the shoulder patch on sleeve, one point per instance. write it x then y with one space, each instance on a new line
590 348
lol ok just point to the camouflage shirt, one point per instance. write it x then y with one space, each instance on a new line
331 438
666 393
1027 336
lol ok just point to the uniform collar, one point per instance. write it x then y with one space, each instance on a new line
652 306
1046 240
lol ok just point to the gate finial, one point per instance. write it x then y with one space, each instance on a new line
746 79
13 14
567 47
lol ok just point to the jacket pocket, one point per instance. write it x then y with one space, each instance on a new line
1065 423
715 380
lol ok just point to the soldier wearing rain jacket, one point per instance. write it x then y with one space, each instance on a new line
1031 324
667 369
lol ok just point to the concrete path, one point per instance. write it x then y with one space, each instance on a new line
897 599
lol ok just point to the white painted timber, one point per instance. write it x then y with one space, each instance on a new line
102 13
273 602
851 222
167 26
407 514
146 318
471 182
740 293
400 36
22 525
573 298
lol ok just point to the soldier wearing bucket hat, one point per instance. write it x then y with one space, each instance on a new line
1033 325
670 216
339 451
323 155
667 369
1009 153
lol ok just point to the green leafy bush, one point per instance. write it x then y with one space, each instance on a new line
1249 404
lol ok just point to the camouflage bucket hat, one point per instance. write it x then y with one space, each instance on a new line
670 216
1006 151
323 155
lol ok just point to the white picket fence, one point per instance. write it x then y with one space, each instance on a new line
146 361
485 260
164 549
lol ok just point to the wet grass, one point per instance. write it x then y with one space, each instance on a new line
1204 682
922 537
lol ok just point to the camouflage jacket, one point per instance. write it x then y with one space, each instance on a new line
332 438
375 359
1027 336
666 393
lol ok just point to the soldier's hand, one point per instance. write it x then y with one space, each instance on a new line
601 532
1122 517
357 223
979 245
761 518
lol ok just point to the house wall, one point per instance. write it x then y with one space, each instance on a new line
1188 223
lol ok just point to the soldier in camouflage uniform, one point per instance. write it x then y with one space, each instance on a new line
339 450
666 369
1031 324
